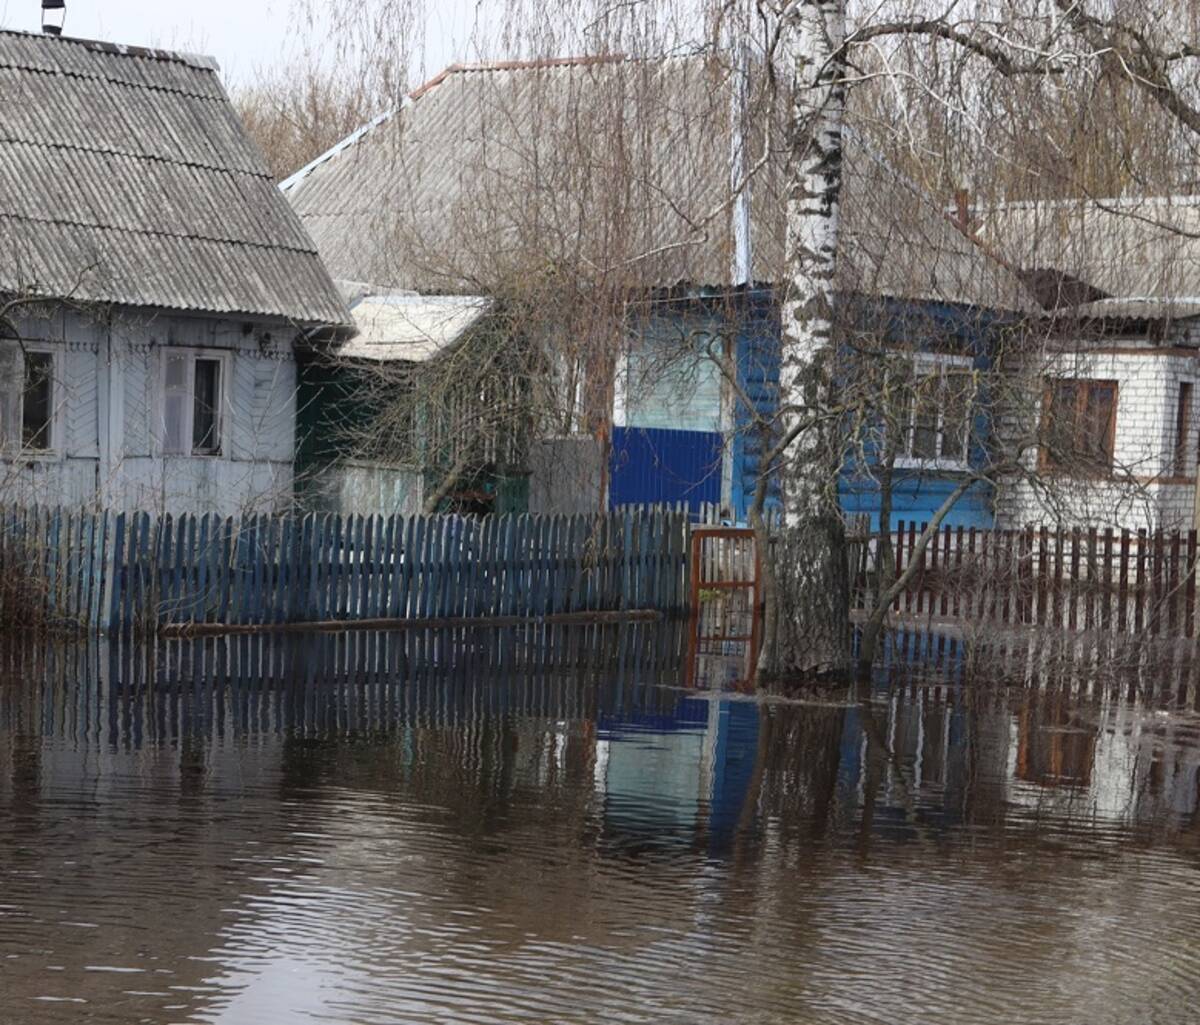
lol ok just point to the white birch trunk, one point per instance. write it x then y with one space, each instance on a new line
808 623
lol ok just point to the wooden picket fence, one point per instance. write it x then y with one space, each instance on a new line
137 572
1073 579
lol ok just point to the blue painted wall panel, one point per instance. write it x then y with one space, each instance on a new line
758 374
651 465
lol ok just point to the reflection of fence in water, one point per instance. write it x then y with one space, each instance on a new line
130 692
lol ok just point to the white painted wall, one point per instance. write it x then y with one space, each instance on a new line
107 427
365 489
1143 492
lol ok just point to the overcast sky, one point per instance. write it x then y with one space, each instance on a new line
243 35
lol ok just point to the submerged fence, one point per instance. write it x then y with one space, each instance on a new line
1070 579
104 572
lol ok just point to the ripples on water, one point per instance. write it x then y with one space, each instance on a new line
243 832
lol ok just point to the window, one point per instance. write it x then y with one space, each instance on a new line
938 400
26 396
192 402
37 401
1079 425
1183 415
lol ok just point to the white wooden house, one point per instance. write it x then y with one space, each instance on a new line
153 285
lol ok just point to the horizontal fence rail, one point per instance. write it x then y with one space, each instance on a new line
137 572
1072 579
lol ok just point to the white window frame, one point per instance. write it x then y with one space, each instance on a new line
14 448
928 364
191 354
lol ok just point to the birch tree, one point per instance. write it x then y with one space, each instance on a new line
808 625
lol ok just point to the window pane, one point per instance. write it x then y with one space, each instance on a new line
205 411
175 399
956 411
925 418
37 404
1183 417
11 380
1061 422
1096 439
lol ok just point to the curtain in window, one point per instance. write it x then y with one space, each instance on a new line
175 404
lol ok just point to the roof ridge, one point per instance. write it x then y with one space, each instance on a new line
452 69
296 177
204 62
518 65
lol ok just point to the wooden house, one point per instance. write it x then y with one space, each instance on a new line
421 408
651 186
153 286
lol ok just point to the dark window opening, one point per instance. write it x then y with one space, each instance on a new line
1079 426
206 420
37 404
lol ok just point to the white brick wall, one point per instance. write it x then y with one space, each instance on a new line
1143 491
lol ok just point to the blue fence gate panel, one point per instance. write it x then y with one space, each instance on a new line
652 466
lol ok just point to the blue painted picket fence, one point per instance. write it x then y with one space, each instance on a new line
136 572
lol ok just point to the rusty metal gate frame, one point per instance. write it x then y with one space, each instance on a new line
698 583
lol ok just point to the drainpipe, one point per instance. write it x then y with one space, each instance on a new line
740 269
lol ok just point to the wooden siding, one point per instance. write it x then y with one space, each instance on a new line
105 431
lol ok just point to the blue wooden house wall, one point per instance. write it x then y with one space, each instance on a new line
917 494
671 448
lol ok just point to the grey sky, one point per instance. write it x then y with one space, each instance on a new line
243 35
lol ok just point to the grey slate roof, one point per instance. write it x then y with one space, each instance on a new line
620 164
127 178
1140 256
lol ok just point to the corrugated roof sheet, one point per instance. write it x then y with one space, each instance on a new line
1142 254
410 328
620 164
126 177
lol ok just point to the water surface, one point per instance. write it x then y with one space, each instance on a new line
242 834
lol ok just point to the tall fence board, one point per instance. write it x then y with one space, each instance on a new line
1071 579
134 572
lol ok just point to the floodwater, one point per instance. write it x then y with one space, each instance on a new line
225 834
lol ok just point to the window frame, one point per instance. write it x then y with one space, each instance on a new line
1082 385
14 449
192 354
929 364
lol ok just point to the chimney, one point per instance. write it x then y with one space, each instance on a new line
54 13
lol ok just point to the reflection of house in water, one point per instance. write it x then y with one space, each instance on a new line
1053 748
669 779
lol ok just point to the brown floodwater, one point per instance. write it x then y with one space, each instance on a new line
234 833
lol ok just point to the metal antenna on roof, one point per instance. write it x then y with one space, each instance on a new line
54 14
